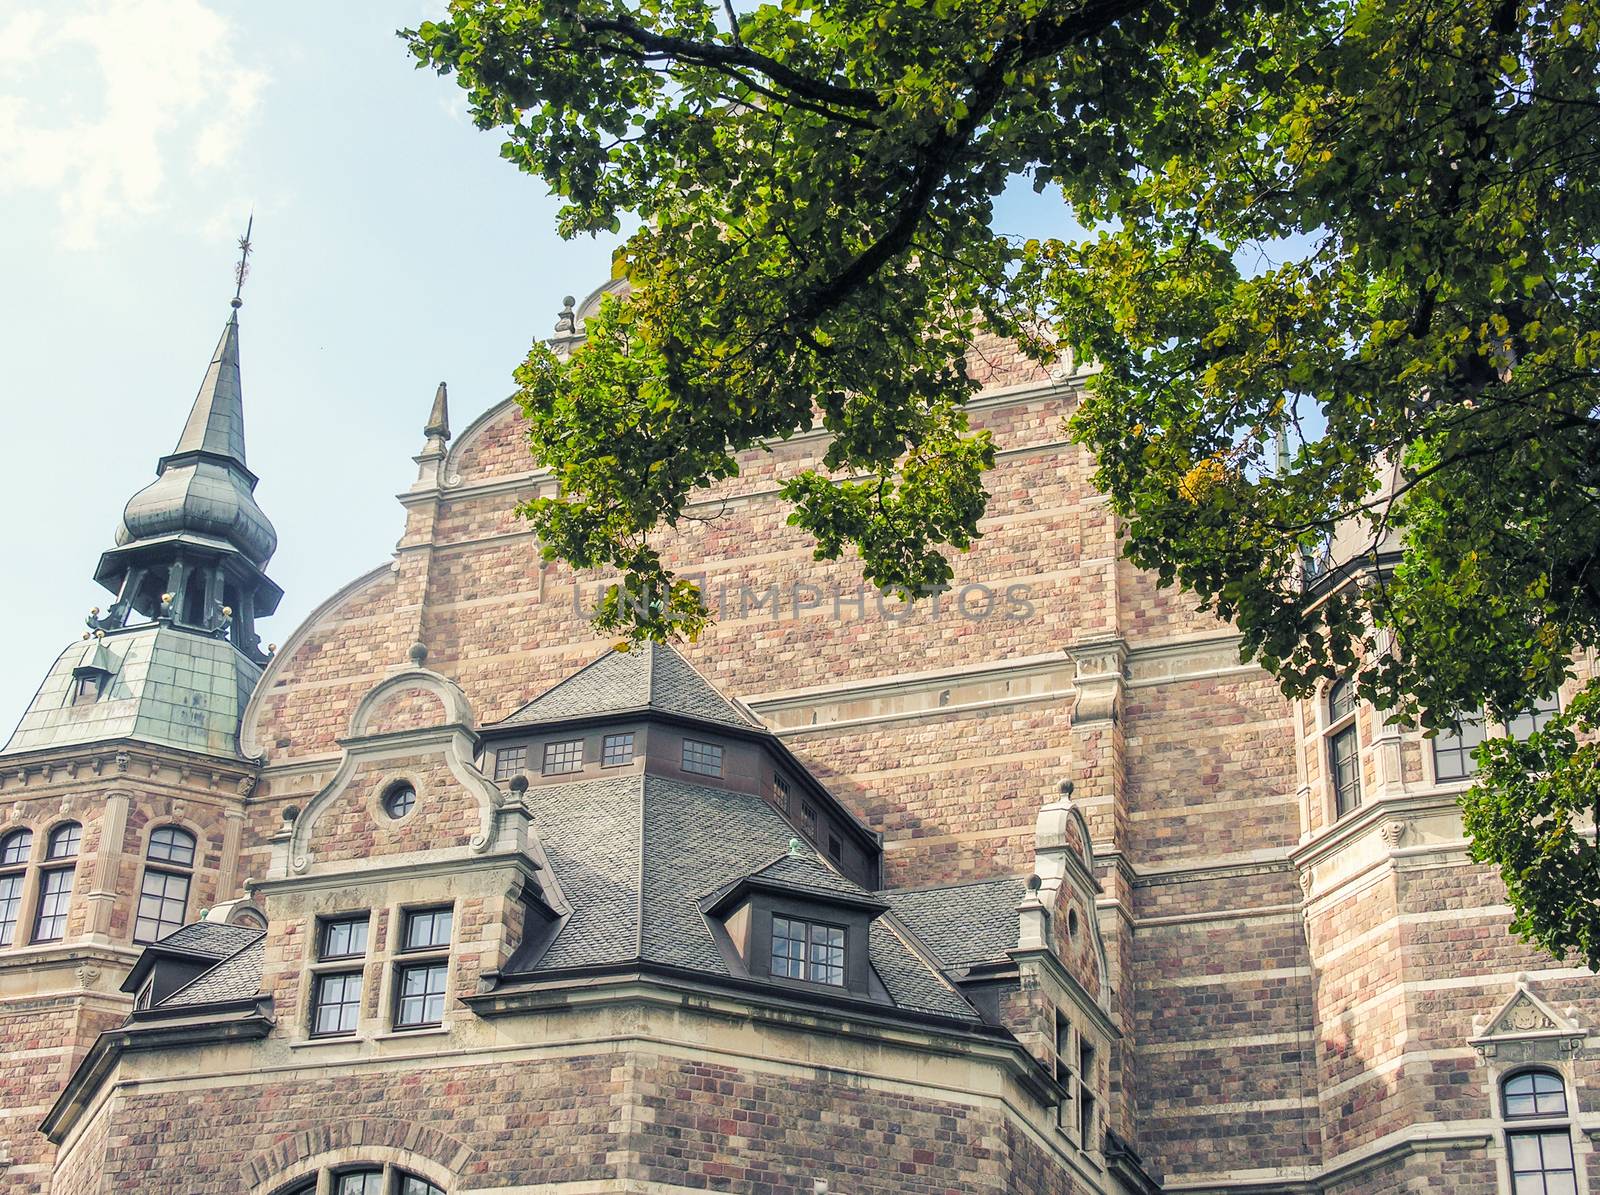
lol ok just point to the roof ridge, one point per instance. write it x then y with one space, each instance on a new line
221 962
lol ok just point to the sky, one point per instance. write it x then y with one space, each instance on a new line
393 249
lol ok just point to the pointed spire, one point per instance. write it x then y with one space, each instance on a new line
216 421
439 418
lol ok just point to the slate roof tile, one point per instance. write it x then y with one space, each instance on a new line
963 923
651 677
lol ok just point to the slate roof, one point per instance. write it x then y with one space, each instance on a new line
213 938
963 923
652 677
236 977
636 855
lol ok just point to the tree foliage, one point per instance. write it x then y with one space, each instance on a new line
1368 227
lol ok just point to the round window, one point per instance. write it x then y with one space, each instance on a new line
398 801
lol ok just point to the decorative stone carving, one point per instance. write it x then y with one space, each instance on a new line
1526 1029
1392 833
122 761
246 785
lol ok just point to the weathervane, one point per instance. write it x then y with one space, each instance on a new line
242 270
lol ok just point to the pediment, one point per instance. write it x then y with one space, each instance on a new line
1528 1027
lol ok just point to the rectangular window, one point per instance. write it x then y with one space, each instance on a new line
704 759
55 895
163 903
1064 1113
808 818
616 750
344 937
1542 1164
835 848
780 791
1452 750
1345 760
508 761
420 996
427 929
1535 718
560 758
10 907
336 1003
807 950
1086 1085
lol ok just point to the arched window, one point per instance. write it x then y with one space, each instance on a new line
1538 1139
55 882
365 1180
15 848
164 891
1344 747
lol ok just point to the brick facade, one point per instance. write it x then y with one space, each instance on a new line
1289 1001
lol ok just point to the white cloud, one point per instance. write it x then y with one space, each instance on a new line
101 103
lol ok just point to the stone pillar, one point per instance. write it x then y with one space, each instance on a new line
102 896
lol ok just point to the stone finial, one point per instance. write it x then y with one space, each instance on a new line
439 418
567 321
519 783
417 653
290 813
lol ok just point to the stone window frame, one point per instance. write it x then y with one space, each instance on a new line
54 867
321 966
21 871
1338 729
377 799
400 959
1510 1126
394 1179
167 868
1077 1069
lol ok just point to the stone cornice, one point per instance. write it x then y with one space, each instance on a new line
119 759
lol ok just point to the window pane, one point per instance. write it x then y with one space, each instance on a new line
10 907
16 847
399 801
427 929
336 1006
1535 1093
1345 761
560 758
421 995
1536 717
410 1184
163 903
788 948
172 845
1525 1153
1341 700
508 761
1452 750
827 954
616 750
364 1182
1561 1184
344 938
704 759
1557 1151
55 894
64 841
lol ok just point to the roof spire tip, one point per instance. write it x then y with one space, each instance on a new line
242 270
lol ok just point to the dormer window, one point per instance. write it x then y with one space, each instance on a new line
87 687
808 950
703 759
771 929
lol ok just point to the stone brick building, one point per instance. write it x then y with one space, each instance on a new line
1032 888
